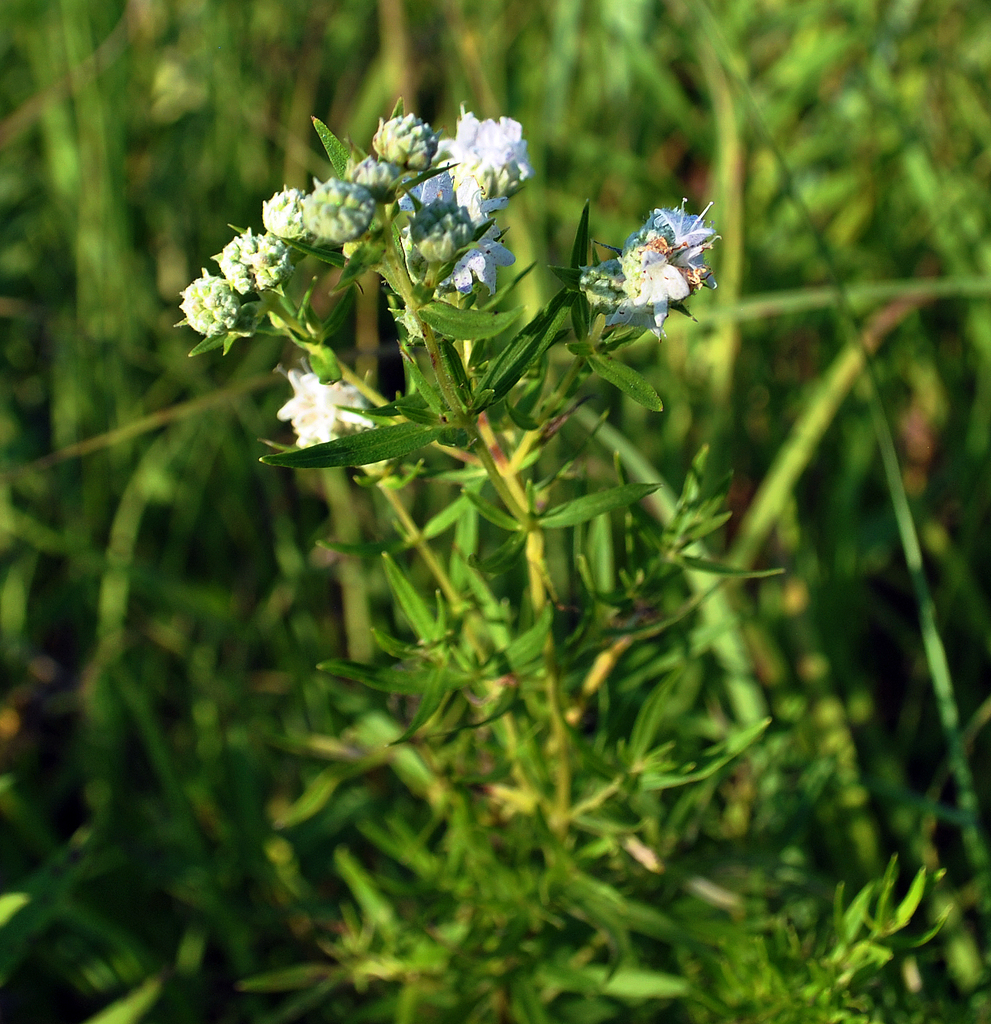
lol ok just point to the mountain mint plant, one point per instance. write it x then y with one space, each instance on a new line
557 801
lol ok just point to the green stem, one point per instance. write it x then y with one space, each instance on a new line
415 536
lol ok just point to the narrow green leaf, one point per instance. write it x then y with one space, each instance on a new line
209 344
423 387
718 756
375 905
395 648
581 316
494 515
10 903
332 256
131 1008
639 983
652 712
433 697
399 110
287 979
413 606
360 449
629 381
336 150
527 347
385 679
529 644
569 276
446 518
504 557
718 569
520 418
312 800
579 251
580 510
904 911
47 890
467 324
455 369
526 1005
337 316
365 549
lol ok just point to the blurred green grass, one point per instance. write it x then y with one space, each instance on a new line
161 605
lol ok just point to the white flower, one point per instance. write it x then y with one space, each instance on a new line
315 409
478 263
494 153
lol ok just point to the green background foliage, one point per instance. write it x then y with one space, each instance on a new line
167 808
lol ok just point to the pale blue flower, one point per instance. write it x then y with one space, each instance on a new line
480 262
662 262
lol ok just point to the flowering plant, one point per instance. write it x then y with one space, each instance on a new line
533 862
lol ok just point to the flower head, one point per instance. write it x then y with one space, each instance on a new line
282 215
320 412
211 307
662 262
338 211
252 263
494 153
406 141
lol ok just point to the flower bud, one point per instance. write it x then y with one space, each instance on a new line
253 263
282 215
378 176
439 230
210 305
338 211
406 141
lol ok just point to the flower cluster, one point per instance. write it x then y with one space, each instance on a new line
322 412
661 263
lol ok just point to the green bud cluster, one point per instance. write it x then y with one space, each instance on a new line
282 215
378 176
439 230
254 263
212 308
406 141
338 211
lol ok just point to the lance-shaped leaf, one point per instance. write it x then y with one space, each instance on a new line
494 514
336 150
571 513
529 644
628 381
360 449
718 755
388 680
719 569
431 701
467 324
579 251
504 556
528 346
332 256
209 344
414 607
